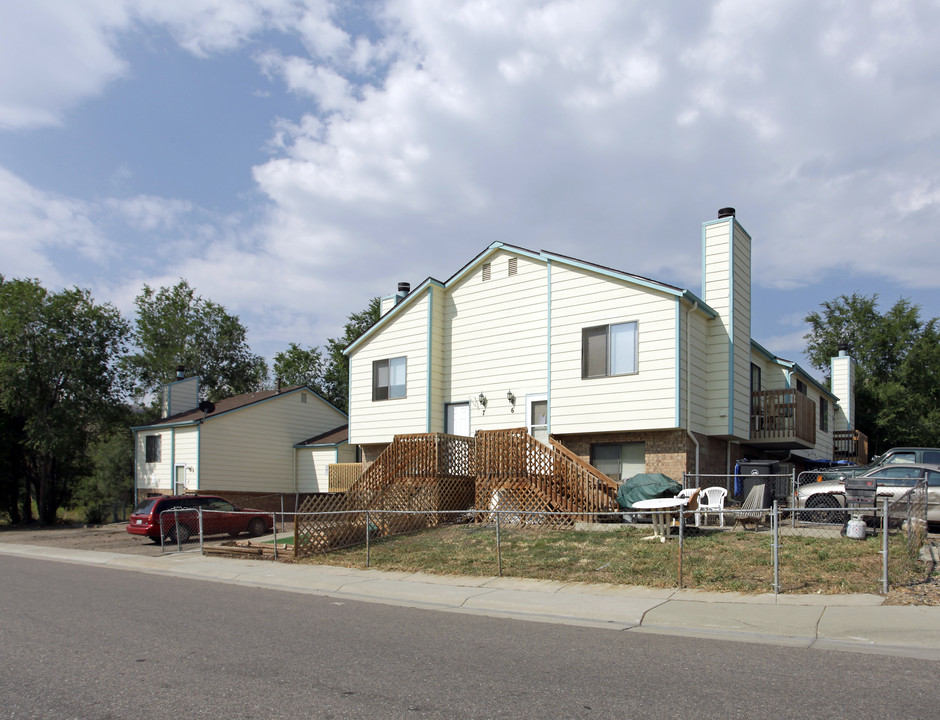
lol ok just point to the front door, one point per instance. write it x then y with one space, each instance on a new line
457 419
536 413
179 481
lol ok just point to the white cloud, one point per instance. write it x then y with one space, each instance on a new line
54 54
38 226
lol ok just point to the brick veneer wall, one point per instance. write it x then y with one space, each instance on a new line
670 452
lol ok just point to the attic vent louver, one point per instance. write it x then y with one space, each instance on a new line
513 266
487 271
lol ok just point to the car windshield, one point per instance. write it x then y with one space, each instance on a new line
145 507
220 505
897 476
900 458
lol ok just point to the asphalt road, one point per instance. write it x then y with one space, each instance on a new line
83 642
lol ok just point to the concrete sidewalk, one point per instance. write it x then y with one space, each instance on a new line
858 623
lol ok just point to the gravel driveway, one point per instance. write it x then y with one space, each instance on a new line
111 538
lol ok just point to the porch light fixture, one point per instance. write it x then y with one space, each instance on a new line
512 401
482 400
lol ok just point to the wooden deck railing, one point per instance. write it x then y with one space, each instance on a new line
850 445
783 415
343 475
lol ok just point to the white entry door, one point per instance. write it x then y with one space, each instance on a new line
536 416
457 419
179 484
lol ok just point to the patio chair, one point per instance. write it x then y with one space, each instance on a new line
751 509
691 507
712 500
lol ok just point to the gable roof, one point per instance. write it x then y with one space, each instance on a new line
541 256
794 367
331 437
230 404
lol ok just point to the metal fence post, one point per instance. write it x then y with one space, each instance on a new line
681 538
775 528
274 525
499 555
793 497
884 547
368 525
176 519
202 548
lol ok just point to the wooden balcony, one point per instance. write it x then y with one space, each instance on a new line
850 445
783 419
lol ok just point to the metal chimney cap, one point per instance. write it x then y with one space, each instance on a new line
725 212
404 287
180 372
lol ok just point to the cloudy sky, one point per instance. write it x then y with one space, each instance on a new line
293 158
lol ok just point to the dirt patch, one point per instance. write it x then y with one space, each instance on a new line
110 538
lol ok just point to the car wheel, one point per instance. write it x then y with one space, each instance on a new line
183 531
257 527
824 501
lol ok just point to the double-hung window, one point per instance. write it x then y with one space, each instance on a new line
609 350
388 378
152 448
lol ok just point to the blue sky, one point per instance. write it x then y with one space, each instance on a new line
292 158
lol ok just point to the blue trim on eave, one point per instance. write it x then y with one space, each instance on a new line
394 312
650 284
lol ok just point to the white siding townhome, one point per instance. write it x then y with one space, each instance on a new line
248 445
629 373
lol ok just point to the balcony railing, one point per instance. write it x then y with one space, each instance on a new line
783 417
850 445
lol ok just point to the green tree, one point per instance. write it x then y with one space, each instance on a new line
60 383
177 327
110 481
336 375
897 354
296 366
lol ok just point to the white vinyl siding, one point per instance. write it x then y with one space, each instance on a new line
155 475
494 340
404 335
251 449
727 288
313 469
641 401
695 357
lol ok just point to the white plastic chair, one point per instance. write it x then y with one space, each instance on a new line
712 500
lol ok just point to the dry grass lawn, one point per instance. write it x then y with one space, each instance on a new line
719 561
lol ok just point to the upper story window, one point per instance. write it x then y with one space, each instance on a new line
152 448
388 378
800 386
755 378
824 414
609 350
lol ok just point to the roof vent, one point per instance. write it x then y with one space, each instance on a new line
726 212
180 372
404 288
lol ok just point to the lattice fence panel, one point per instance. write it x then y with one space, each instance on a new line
417 474
517 472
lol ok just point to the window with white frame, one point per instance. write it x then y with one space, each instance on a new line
388 378
152 448
619 461
609 350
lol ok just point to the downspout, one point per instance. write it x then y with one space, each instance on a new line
688 383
